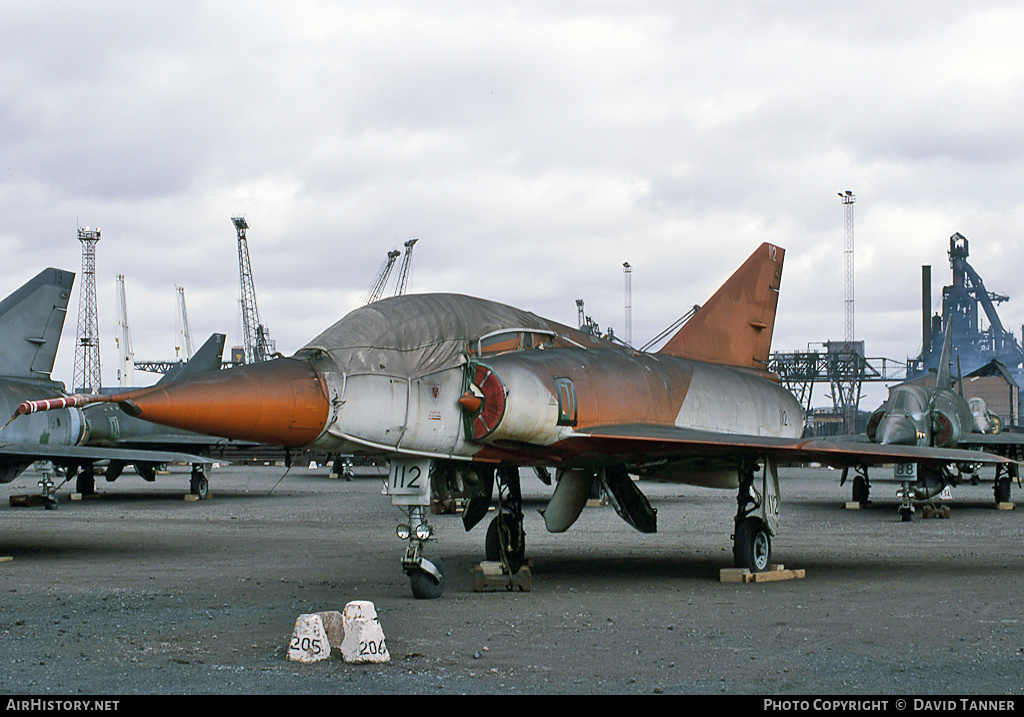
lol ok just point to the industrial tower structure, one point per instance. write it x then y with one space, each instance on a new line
255 335
848 200
964 303
628 279
846 390
87 378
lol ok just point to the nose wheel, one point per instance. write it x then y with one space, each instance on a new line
426 577
428 584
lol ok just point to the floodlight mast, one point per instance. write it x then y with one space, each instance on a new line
87 375
848 200
628 291
850 412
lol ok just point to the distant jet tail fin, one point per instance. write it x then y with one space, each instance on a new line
734 327
207 358
31 321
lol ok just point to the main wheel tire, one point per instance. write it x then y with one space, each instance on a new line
511 537
199 486
424 586
860 490
752 546
1002 491
85 482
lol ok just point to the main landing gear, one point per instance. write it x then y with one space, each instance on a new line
198 484
757 517
506 538
1004 477
861 491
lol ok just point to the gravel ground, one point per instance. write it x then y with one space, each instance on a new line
141 592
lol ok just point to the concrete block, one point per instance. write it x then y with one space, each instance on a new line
311 638
364 637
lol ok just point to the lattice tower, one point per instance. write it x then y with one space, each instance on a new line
628 279
87 378
848 200
852 400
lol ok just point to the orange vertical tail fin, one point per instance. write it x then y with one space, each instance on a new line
734 327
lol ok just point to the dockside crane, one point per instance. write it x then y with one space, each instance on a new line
183 334
125 355
257 347
373 293
403 274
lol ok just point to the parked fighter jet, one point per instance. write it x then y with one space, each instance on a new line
31 320
461 392
939 416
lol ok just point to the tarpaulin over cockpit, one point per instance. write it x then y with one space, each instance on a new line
412 335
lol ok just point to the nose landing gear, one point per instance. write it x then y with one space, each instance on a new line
409 488
426 577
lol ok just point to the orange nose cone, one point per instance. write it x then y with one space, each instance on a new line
280 402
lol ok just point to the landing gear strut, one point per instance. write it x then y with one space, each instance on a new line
906 495
506 539
757 517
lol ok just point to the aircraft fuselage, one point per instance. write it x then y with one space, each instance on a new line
533 403
62 427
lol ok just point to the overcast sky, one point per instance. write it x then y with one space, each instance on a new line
532 148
